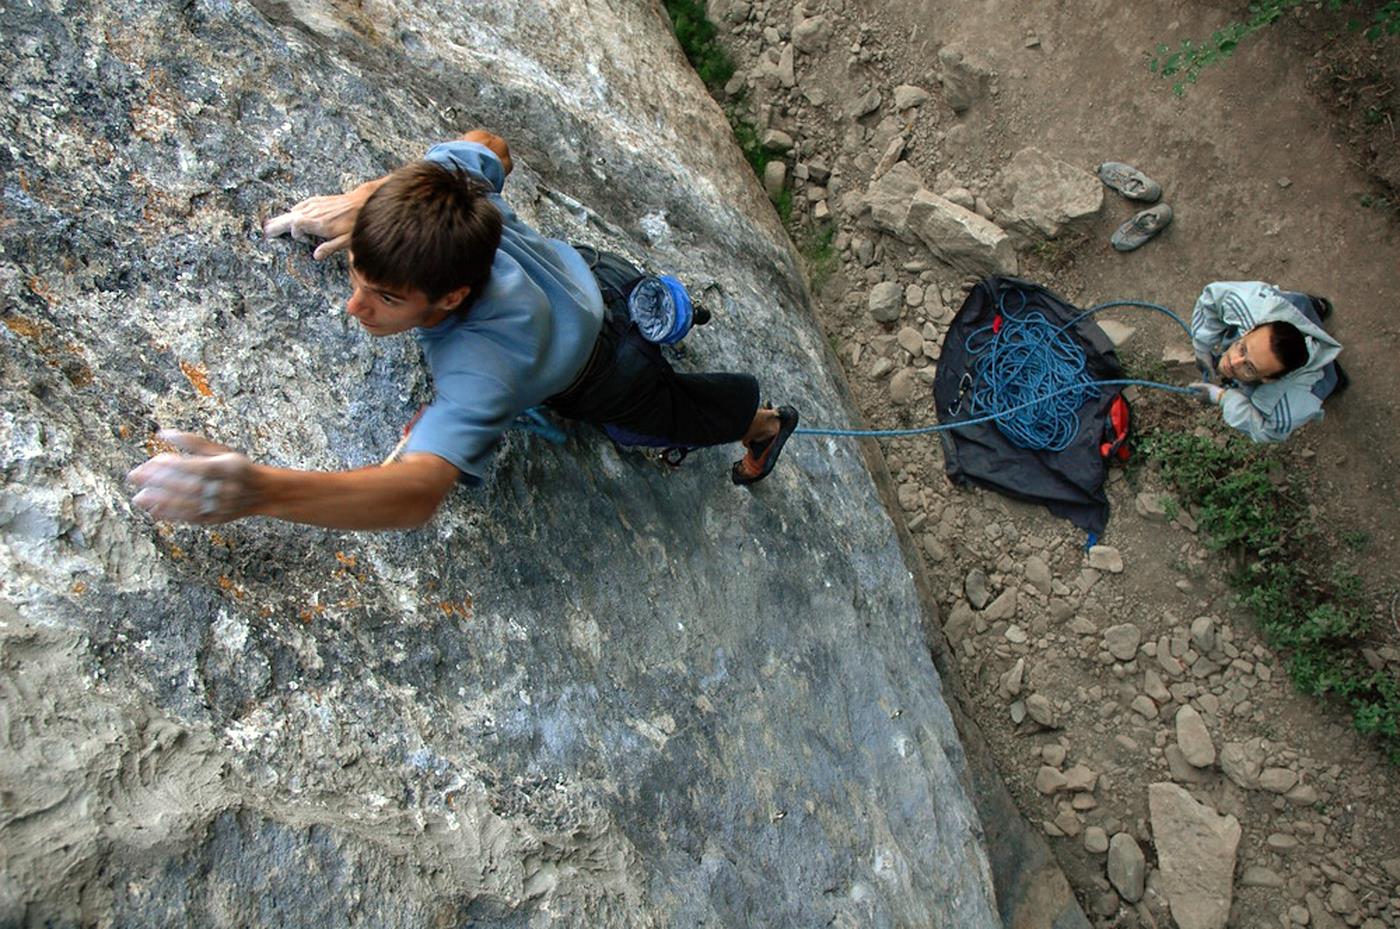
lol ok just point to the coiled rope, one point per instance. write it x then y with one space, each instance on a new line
1031 378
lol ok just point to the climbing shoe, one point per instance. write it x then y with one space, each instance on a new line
1321 306
1136 231
761 456
1130 182
1343 382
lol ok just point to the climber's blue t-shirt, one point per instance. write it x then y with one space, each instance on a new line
525 338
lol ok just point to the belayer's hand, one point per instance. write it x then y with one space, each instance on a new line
331 217
1206 364
209 484
1208 394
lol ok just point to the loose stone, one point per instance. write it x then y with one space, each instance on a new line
1122 641
1105 558
1193 738
1127 867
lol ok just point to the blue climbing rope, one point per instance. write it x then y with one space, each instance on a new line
533 420
1031 380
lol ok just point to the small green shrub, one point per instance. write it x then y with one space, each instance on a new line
783 202
1184 65
746 134
819 254
1287 576
698 39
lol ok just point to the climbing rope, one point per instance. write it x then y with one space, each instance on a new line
533 420
1031 380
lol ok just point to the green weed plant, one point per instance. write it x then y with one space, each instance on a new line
818 252
1183 66
1314 613
698 38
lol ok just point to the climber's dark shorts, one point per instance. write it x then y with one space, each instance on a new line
629 387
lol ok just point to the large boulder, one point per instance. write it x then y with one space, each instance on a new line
961 238
898 203
591 692
885 203
1037 196
1196 855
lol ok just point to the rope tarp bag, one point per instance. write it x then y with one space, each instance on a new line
1056 457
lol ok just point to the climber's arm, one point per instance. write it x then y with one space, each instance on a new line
213 484
332 217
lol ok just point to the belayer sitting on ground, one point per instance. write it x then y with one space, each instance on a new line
1270 343
507 320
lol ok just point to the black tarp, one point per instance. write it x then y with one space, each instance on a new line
1070 482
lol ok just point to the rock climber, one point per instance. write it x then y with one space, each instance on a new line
507 320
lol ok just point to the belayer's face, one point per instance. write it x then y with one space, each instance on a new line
390 310
1251 359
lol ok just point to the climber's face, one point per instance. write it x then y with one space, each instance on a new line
389 310
1251 359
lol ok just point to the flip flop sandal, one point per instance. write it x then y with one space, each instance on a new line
1130 182
1136 231
759 461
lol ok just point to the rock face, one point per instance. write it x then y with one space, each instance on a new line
1196 855
591 692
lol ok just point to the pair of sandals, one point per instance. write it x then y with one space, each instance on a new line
1133 184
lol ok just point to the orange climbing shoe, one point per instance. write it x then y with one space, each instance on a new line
758 462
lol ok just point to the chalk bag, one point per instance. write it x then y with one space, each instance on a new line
661 308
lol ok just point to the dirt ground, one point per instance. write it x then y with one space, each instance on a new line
1266 163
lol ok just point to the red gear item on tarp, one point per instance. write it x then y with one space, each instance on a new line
1117 424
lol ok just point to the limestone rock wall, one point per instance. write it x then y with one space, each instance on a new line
589 693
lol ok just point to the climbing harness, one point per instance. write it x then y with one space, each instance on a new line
1031 380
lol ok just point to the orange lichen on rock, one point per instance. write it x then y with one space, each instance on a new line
21 325
227 585
464 609
155 445
42 289
310 612
197 377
